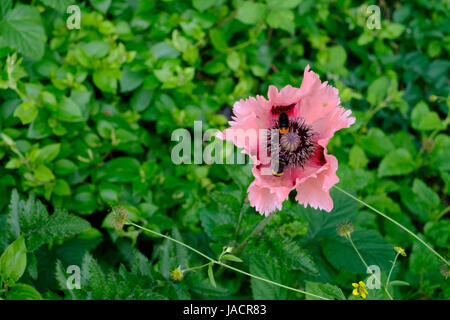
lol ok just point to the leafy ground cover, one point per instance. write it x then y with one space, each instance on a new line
86 117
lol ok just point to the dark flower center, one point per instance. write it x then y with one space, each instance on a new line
297 145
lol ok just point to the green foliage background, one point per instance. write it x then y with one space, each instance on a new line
86 118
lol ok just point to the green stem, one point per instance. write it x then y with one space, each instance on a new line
223 264
196 268
394 222
386 287
243 209
349 238
442 213
254 233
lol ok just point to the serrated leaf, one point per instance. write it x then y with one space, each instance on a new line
266 268
372 246
325 290
21 28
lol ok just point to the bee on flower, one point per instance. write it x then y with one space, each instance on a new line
305 118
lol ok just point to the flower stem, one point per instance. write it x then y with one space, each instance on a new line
349 238
254 233
223 264
386 287
394 222
197 267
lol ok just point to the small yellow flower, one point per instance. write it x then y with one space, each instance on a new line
176 274
400 251
360 289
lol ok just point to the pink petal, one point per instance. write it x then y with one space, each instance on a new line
266 200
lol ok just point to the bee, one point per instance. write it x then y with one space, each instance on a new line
283 123
282 163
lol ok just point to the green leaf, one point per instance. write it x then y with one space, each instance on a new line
218 39
392 30
21 28
283 4
282 19
130 80
325 290
266 268
202 5
377 90
59 5
423 119
397 162
105 80
43 174
13 261
69 111
48 153
231 257
61 188
251 13
23 291
109 193
211 275
322 225
438 232
371 245
64 166
376 142
26 111
399 283
358 158
101 5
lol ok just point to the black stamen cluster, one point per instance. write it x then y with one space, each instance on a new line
305 149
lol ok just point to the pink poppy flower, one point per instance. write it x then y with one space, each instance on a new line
314 115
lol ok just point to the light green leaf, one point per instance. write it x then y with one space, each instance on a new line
69 111
282 19
43 174
26 111
398 162
283 4
231 257
48 153
21 28
358 158
14 260
211 275
377 90
399 283
376 142
23 291
202 5
251 13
